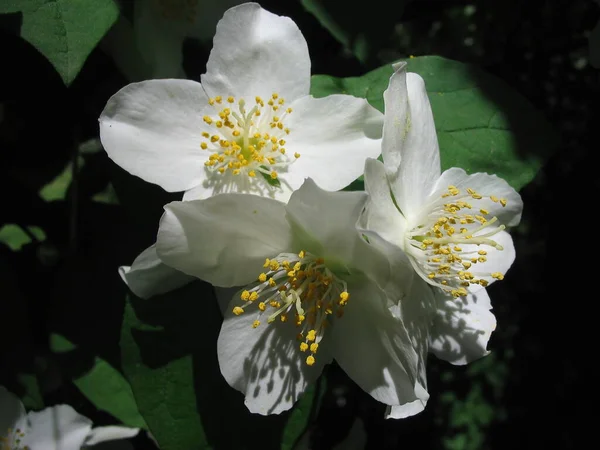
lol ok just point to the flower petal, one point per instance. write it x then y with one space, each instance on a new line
224 239
59 427
485 185
381 214
153 130
462 327
411 408
265 363
110 433
497 260
149 276
333 136
373 347
257 53
413 136
12 412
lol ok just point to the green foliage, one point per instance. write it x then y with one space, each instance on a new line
64 31
169 357
482 124
16 237
103 385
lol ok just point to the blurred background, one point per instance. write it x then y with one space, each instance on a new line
70 217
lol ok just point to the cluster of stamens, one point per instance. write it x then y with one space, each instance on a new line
250 142
452 225
12 440
299 288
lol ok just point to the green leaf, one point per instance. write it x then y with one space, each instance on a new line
361 34
103 385
169 356
64 31
16 237
32 395
483 125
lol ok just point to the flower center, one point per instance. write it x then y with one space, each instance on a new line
12 440
248 143
448 246
298 285
178 10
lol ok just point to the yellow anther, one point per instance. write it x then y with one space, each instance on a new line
482 259
230 99
204 146
236 172
301 254
275 95
253 296
310 360
205 135
252 173
267 262
245 295
303 346
503 202
262 277
484 211
283 317
311 336
237 311
207 119
255 324
289 110
262 306
314 347
211 101
218 99
273 175
272 282
296 155
300 319
497 275
214 138
482 252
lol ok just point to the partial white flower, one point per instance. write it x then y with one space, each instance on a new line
58 427
451 224
151 46
250 125
315 289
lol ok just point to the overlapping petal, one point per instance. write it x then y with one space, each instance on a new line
224 239
265 363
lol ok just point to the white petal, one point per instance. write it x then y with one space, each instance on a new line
159 40
381 215
257 53
265 363
329 218
462 327
486 185
149 276
224 239
153 130
497 260
411 408
373 347
333 135
395 125
57 428
110 433
12 412
414 138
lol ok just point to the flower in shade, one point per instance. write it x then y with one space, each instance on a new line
314 288
451 225
56 427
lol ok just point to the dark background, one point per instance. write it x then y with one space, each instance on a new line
539 386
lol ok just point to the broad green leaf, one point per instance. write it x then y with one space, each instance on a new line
169 356
361 34
32 397
104 386
16 237
58 187
483 125
64 31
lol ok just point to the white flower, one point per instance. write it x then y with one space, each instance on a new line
249 126
315 289
151 46
451 225
58 427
